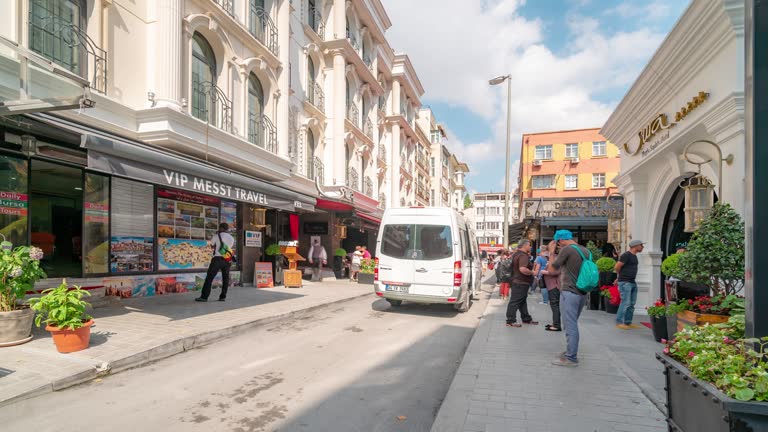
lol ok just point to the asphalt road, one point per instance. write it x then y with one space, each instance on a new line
361 366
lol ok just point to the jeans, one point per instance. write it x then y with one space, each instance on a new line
554 304
571 305
217 263
518 299
544 296
628 291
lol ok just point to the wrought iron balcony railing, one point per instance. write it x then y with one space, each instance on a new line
315 168
227 5
382 152
315 95
368 128
368 190
210 104
316 22
263 28
353 41
353 114
382 103
368 62
69 46
262 132
353 179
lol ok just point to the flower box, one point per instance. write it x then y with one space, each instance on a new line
365 278
697 406
698 319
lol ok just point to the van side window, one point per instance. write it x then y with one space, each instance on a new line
464 245
417 242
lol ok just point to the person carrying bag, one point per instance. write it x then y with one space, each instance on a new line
223 257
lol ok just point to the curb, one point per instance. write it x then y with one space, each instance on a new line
163 351
645 388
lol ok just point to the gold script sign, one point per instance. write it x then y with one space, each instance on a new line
661 122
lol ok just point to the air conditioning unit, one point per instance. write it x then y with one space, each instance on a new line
536 162
574 160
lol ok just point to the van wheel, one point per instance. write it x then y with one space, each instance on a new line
465 305
395 303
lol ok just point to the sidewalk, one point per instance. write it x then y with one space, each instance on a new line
507 383
134 332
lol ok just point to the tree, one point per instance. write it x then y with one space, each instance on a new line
715 255
467 201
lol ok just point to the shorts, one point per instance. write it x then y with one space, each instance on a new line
355 267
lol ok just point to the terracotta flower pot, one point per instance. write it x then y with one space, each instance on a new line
68 341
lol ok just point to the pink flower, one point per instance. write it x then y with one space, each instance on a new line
691 354
726 339
35 253
666 350
663 341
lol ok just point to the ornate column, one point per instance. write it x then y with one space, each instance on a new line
166 70
336 153
394 151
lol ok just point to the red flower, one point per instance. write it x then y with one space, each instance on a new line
691 354
690 302
663 341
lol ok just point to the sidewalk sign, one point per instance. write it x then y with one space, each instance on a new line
262 276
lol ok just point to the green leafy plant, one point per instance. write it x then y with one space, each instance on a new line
715 255
596 252
367 265
605 264
61 307
340 252
675 308
670 267
272 250
19 270
658 309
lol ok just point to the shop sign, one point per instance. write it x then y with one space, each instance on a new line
662 123
253 239
210 187
575 208
13 203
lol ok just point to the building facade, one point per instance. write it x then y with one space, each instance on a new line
488 211
566 182
287 119
678 102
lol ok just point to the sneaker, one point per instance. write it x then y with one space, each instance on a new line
200 299
562 361
633 326
222 299
514 324
623 326
542 303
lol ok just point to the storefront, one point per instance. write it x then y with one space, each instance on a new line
682 111
133 219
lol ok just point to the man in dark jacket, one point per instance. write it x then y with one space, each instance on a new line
522 277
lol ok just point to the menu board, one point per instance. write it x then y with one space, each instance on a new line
185 223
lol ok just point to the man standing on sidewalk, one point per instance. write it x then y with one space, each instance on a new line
522 277
626 267
317 259
221 243
572 300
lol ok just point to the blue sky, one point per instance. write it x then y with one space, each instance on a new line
571 61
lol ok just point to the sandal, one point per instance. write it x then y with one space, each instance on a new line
531 322
550 327
514 324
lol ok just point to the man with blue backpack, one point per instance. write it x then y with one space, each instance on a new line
578 276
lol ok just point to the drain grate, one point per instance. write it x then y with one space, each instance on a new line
5 372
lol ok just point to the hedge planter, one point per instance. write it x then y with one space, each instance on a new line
16 327
697 406
611 309
690 318
365 278
659 327
68 341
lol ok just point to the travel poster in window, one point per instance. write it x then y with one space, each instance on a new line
185 223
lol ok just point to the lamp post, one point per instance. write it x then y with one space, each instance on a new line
496 81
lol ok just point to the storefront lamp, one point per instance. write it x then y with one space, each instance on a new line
699 199
341 231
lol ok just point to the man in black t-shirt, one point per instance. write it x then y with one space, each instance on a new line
626 267
522 277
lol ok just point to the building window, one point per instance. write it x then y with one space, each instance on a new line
493 211
598 148
571 181
434 135
544 152
255 111
543 181
432 197
311 170
598 180
480 211
52 34
571 151
432 167
203 73
480 225
493 225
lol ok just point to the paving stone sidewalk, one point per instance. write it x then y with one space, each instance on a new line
507 383
133 332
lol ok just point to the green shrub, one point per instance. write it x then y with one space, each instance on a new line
671 265
367 265
19 270
605 264
61 307
273 249
596 252
340 252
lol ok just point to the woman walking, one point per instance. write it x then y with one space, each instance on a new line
552 282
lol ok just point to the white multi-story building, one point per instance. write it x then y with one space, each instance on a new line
488 214
291 119
447 173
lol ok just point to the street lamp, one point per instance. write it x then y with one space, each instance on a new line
699 189
496 81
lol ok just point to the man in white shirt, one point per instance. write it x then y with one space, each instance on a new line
317 259
220 243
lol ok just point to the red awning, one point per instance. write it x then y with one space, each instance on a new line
368 218
333 205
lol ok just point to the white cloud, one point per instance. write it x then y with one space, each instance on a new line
653 10
455 54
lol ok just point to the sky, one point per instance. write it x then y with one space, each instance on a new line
571 63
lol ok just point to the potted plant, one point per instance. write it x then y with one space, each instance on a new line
658 314
276 258
605 266
338 262
706 310
63 311
611 298
367 266
19 270
715 379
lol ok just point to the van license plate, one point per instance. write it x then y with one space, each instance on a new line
396 288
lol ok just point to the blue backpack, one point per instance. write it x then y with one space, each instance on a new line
589 276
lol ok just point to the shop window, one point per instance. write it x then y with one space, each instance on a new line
133 237
56 208
571 151
598 180
14 199
543 181
571 181
598 148
543 152
96 223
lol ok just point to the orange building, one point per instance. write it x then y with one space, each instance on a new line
566 182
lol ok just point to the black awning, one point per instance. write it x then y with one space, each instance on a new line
516 231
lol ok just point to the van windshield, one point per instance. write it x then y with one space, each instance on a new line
417 242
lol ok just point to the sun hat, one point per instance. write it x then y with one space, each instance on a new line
563 235
635 243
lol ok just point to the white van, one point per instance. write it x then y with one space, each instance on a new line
427 255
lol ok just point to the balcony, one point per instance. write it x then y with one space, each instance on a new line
369 62
353 179
315 22
70 46
315 169
368 128
263 28
368 189
227 5
382 153
353 114
262 132
353 41
315 95
211 105
382 103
